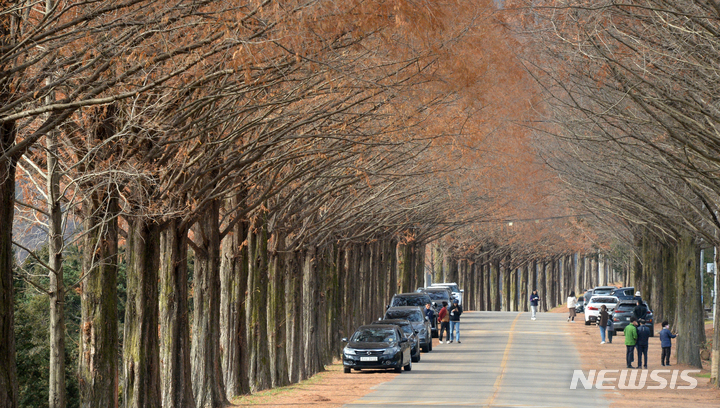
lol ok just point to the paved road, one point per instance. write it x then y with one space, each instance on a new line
505 360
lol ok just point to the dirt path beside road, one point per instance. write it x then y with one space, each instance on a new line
612 357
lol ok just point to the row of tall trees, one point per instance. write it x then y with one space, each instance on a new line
631 127
299 153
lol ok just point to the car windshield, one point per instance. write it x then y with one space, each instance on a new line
602 291
409 301
406 328
375 335
603 300
438 295
625 308
412 315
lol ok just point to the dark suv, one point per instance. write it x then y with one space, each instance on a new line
624 311
409 333
416 315
419 299
624 293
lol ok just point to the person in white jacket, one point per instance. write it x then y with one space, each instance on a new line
571 302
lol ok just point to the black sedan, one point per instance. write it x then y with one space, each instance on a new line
377 346
624 311
409 332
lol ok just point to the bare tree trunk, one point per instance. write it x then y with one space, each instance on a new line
293 313
205 354
495 285
57 398
8 369
141 348
690 313
98 355
233 284
542 306
174 323
256 308
513 289
276 327
715 358
577 272
310 321
506 285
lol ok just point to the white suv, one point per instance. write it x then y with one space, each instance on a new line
456 291
592 309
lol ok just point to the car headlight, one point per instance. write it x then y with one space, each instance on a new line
391 350
349 351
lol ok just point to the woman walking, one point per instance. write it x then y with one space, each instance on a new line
604 316
571 303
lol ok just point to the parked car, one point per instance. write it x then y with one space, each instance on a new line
592 309
415 299
456 291
438 295
588 294
603 290
409 333
624 311
377 346
416 316
627 293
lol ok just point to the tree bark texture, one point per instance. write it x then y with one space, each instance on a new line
689 314
8 369
513 289
256 307
494 286
205 356
277 360
543 267
506 285
174 323
98 354
233 284
141 344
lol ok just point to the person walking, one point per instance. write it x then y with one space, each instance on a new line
630 340
610 328
643 337
571 303
455 312
666 337
602 323
444 318
430 316
639 311
534 299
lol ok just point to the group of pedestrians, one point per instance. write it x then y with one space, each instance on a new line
449 317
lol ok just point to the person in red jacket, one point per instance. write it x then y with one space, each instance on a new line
444 322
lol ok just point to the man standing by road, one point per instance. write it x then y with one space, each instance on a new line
430 316
643 335
444 322
639 311
534 299
455 312
630 340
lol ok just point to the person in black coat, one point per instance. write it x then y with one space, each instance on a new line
455 312
639 311
643 333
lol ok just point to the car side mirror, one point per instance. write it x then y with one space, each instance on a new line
416 332
427 318
344 340
403 340
462 290
387 307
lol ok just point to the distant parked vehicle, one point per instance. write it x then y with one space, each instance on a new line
419 299
580 307
604 290
454 288
416 316
627 293
624 311
377 346
409 333
592 309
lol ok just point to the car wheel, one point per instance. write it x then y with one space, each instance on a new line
416 359
587 322
425 349
346 370
430 345
398 369
408 367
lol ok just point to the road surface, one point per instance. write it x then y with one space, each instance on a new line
505 360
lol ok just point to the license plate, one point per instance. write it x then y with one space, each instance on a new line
368 359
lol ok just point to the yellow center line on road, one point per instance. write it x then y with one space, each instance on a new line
503 363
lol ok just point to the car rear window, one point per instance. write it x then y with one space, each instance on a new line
410 301
625 308
604 300
412 315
